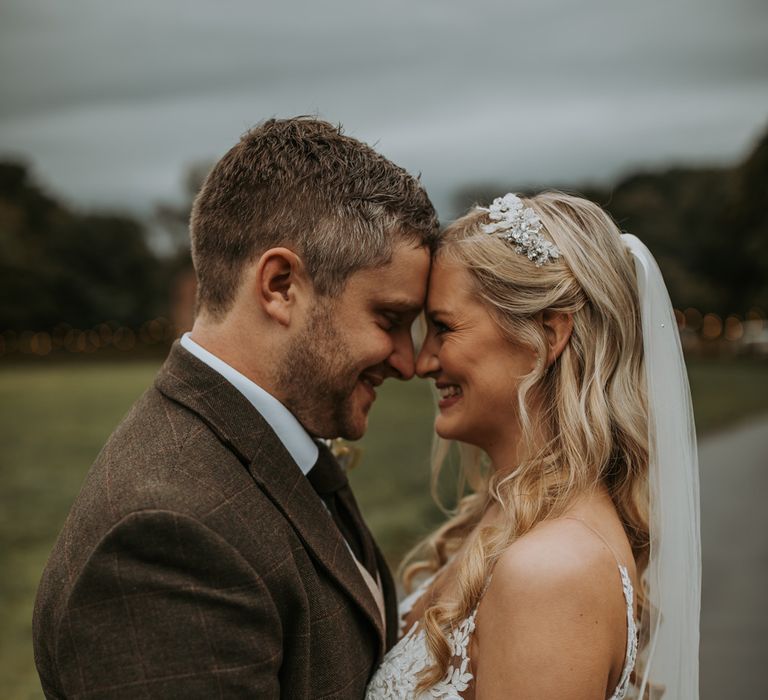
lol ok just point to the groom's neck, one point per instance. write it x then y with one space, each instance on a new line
245 346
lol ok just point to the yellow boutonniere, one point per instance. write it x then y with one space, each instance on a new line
346 454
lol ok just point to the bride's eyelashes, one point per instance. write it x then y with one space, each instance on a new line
440 327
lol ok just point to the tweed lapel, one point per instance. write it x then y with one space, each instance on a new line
190 382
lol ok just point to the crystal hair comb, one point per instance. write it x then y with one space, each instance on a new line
519 225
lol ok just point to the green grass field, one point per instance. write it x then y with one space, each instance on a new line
54 419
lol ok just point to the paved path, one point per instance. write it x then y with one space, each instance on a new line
734 524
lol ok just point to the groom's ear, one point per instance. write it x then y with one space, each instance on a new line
558 327
282 284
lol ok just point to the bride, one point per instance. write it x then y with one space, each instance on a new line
572 568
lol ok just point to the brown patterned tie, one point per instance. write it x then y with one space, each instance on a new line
331 484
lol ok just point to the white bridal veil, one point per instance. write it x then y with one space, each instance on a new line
670 628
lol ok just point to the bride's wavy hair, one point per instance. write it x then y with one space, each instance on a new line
591 402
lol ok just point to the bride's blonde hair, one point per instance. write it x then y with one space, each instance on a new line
591 401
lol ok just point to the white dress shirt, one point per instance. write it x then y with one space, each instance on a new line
289 431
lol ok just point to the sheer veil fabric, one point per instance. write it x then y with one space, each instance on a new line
670 629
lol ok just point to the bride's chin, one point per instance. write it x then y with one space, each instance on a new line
457 431
447 432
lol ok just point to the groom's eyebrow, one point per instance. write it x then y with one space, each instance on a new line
403 306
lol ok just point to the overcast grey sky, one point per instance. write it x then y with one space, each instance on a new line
109 101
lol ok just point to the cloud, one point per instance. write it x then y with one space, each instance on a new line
111 101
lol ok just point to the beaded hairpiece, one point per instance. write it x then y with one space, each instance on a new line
520 226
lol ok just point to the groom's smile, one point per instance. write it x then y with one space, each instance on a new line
371 381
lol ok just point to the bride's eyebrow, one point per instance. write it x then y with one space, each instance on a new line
431 313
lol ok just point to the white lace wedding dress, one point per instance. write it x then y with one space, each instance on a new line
397 677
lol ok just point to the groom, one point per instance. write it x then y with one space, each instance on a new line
215 549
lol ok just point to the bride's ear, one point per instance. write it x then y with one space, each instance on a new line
281 284
558 327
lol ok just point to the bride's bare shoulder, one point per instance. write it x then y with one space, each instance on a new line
552 622
555 553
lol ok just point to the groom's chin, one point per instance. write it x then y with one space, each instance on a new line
355 429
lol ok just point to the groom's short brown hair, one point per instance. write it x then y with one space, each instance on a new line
303 184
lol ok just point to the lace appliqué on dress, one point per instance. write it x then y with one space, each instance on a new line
397 677
629 659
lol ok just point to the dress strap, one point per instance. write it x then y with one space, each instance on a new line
595 532
630 654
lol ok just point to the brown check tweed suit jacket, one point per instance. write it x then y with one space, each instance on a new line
198 562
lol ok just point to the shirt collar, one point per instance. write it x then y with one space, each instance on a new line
290 432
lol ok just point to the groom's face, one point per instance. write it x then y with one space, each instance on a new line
351 343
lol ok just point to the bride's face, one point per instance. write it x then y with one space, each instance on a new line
477 371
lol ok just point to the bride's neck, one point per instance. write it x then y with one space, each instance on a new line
510 450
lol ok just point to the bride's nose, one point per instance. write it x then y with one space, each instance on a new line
427 362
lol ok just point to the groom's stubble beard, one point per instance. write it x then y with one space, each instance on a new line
316 378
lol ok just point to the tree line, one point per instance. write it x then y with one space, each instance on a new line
59 265
708 228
